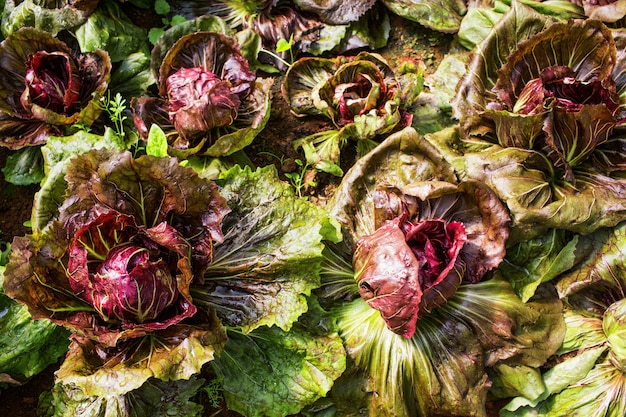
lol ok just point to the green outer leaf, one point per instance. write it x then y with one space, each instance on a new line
598 394
556 379
57 154
509 381
24 166
166 359
536 261
322 150
157 141
27 346
271 372
329 37
250 43
479 21
615 329
109 29
153 399
18 14
440 15
272 248
476 26
583 331
604 263
132 76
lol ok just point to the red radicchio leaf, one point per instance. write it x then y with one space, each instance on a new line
52 81
387 275
436 244
200 101
131 274
404 268
559 83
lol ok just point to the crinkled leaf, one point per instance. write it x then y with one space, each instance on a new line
151 189
177 352
154 398
63 15
213 51
253 115
24 166
270 258
271 372
57 154
336 11
442 15
108 28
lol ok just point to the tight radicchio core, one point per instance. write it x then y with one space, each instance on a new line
429 238
401 261
127 273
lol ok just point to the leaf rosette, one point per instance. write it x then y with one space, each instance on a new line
44 86
540 112
363 96
115 267
209 102
415 288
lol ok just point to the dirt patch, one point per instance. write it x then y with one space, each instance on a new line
15 204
